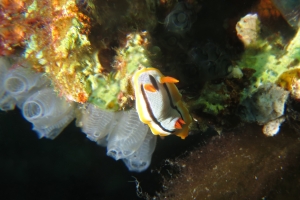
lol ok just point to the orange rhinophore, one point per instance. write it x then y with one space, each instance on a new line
168 79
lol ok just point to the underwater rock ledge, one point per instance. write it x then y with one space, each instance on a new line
242 164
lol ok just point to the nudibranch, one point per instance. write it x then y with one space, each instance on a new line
159 104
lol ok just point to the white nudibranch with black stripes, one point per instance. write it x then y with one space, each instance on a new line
159 104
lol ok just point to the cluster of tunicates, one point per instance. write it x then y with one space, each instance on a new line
181 18
125 136
48 113
16 84
178 24
206 60
209 62
31 92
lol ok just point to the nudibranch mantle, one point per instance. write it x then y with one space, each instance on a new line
159 104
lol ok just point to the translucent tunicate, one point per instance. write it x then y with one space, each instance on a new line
209 62
141 158
48 113
95 122
290 10
181 18
18 84
7 102
127 136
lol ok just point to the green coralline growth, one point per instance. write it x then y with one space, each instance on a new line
275 69
114 91
270 62
104 92
212 99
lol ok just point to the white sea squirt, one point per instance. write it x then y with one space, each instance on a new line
94 122
22 82
127 136
140 160
48 113
17 84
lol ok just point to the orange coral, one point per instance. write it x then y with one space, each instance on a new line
12 30
53 50
266 10
290 80
287 79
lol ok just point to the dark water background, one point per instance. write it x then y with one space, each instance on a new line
71 166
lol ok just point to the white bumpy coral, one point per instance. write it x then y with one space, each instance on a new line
266 107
